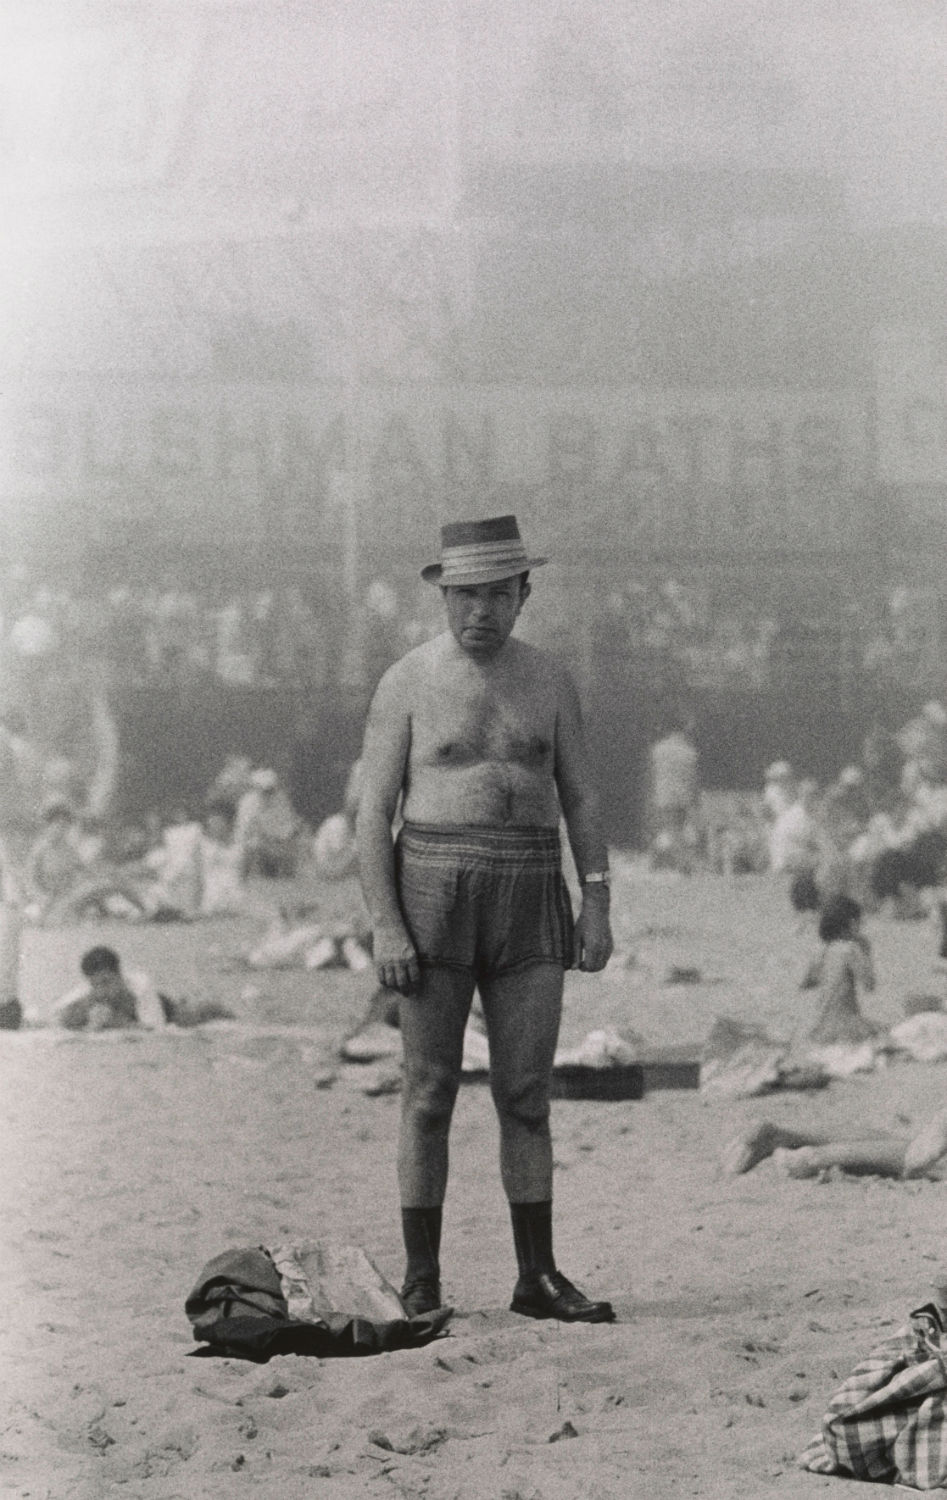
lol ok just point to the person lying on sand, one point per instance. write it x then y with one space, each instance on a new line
112 999
802 1154
109 998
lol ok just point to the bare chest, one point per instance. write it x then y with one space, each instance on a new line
465 724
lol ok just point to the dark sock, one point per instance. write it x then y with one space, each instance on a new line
421 1228
532 1236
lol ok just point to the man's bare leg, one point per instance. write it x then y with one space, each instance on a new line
432 1033
522 1012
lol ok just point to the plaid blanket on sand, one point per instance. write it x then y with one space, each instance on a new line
887 1422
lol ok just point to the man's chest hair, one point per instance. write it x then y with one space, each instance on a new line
488 720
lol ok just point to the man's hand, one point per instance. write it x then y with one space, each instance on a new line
593 933
396 962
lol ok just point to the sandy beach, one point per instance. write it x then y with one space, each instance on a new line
129 1159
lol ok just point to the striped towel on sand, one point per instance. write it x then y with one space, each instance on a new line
887 1422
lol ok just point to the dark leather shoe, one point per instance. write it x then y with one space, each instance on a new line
421 1296
554 1296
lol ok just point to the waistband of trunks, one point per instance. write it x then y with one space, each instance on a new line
529 844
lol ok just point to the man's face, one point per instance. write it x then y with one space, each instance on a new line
481 616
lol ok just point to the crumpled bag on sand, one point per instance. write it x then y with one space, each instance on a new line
887 1422
740 1061
923 1036
842 1059
604 1048
311 945
253 1303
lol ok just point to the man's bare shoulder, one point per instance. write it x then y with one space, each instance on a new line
414 668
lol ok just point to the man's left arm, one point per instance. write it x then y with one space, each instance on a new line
579 802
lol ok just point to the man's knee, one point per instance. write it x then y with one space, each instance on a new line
524 1101
429 1094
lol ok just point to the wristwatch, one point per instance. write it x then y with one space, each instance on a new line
596 877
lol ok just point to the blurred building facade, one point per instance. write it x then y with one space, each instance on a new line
288 286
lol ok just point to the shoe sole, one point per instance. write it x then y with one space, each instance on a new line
529 1311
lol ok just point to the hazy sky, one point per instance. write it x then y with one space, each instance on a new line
856 87
850 87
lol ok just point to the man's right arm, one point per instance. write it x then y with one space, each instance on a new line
384 767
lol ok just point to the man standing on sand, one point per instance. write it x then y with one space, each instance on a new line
481 737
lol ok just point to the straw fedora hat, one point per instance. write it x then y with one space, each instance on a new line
475 552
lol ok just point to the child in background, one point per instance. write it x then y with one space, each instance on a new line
223 890
267 827
844 966
109 999
334 847
176 866
54 864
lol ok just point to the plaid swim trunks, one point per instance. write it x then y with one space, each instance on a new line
491 900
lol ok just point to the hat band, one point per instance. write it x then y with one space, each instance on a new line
485 555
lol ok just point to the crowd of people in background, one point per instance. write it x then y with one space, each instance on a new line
681 625
168 631
876 831
186 863
872 839
171 633
67 658
192 862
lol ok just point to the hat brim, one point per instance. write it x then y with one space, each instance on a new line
433 573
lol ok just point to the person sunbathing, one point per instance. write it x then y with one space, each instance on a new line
108 998
804 1154
111 998
67 879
